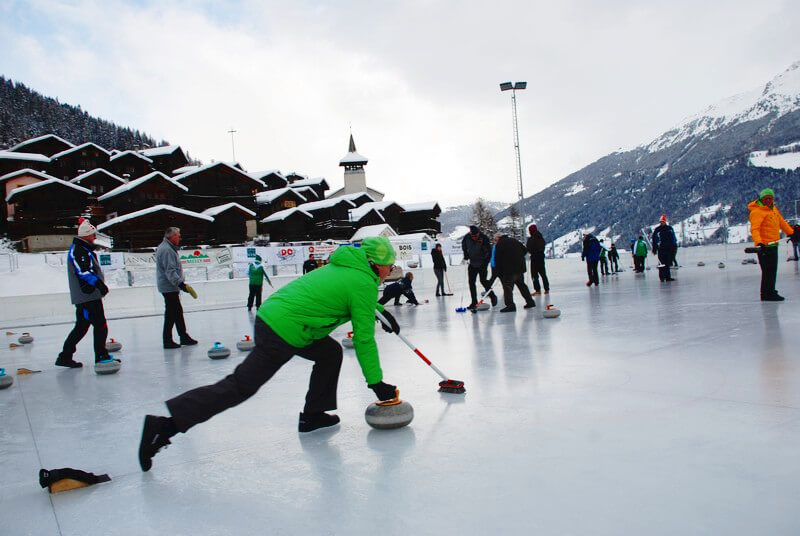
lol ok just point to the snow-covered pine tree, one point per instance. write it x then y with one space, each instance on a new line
483 218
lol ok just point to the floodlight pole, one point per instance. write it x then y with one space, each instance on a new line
506 86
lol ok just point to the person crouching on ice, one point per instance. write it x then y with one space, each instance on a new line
400 288
297 320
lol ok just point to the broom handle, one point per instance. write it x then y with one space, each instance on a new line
414 348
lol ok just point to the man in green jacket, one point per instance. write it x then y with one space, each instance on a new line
257 276
297 320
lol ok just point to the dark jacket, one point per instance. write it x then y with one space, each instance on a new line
401 287
591 249
309 266
664 238
477 252
84 273
536 243
438 260
509 257
613 254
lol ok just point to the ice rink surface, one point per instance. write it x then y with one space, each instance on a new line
646 408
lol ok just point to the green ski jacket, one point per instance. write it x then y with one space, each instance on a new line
257 273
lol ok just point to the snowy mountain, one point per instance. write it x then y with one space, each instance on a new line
719 158
453 217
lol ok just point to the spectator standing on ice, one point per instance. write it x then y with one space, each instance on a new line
591 254
477 252
399 288
603 261
86 291
310 264
510 268
639 250
257 275
535 247
664 244
170 282
613 258
439 268
795 240
766 223
297 320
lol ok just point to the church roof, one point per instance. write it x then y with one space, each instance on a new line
352 156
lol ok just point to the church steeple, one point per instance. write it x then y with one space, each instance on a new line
352 160
352 144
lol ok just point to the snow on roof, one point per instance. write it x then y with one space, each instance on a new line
295 174
33 157
262 174
325 203
361 214
309 182
412 236
95 171
48 182
382 229
138 182
78 148
413 207
283 214
216 164
133 153
353 158
269 196
160 151
307 191
27 171
353 197
357 213
213 211
40 138
157 208
184 169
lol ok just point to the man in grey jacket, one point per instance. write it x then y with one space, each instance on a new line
169 280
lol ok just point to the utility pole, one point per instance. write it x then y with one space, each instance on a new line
233 148
506 86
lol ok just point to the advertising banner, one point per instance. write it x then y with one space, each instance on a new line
321 251
111 261
284 255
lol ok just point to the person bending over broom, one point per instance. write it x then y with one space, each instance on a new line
297 320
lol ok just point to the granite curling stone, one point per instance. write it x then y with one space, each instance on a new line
246 344
107 366
5 379
218 351
389 415
113 346
551 312
25 338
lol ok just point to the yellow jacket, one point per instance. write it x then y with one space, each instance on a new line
766 223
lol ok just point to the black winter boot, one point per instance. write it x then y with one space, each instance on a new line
311 421
155 435
68 362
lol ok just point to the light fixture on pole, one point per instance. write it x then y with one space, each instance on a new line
233 148
508 86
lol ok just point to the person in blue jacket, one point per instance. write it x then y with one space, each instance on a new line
664 245
591 254
399 288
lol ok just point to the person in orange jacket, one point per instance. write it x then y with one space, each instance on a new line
766 224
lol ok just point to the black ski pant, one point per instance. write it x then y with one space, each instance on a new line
270 354
439 273
393 291
474 272
638 263
255 294
173 316
664 262
591 269
675 256
769 271
604 266
87 314
538 269
508 282
614 265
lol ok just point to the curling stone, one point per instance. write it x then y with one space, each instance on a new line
390 414
483 307
461 309
107 366
347 342
246 344
25 338
218 351
701 263
721 265
5 379
551 311
113 346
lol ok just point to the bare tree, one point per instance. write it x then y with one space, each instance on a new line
483 217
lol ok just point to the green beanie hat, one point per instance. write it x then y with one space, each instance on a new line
379 250
765 192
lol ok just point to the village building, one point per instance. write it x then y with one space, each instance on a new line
219 183
143 229
100 182
166 158
15 161
290 225
355 178
273 201
78 160
46 145
319 186
232 224
130 164
330 218
153 189
272 179
420 218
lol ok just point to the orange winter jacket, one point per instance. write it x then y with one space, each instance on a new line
766 223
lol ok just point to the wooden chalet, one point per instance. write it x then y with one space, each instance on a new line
309 193
319 185
420 218
46 145
294 177
78 160
358 198
46 207
331 218
130 165
13 180
145 228
166 159
272 179
217 183
100 182
273 201
365 218
153 189
233 224
292 224
13 161
390 211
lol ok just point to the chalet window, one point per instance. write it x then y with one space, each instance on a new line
289 204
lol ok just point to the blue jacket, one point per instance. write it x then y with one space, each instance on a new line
664 238
83 272
591 249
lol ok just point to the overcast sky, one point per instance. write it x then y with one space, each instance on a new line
416 80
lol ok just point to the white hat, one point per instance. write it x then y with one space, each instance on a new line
85 228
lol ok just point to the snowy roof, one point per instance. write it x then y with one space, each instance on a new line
95 171
307 191
27 171
151 210
269 196
48 182
160 151
363 213
40 138
353 197
33 157
325 203
358 213
283 214
413 236
78 148
353 158
413 207
310 182
218 164
382 229
295 174
262 174
132 153
213 211
138 182
184 169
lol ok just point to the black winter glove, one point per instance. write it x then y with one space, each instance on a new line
761 248
182 286
393 326
384 391
101 287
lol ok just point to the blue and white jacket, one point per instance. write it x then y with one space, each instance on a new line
84 272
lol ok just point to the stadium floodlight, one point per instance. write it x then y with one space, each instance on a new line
505 86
